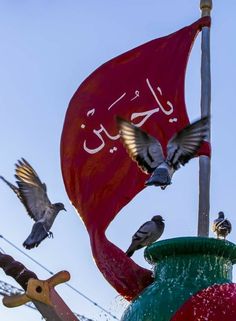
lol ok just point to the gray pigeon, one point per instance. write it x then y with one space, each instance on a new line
148 233
33 194
221 226
147 150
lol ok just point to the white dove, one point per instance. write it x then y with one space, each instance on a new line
33 194
147 150
148 233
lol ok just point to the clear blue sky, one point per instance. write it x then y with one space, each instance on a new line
47 49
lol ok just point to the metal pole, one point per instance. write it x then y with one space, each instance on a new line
204 161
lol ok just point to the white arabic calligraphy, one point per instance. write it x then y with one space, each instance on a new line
91 112
159 89
136 95
147 114
167 112
173 120
116 101
113 150
144 114
98 133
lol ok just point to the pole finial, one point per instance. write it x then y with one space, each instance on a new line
206 6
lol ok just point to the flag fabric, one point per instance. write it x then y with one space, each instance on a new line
145 86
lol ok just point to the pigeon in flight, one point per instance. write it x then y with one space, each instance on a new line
33 194
221 226
147 150
148 233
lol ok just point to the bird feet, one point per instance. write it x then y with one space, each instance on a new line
164 186
50 234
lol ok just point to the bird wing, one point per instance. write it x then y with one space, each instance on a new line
144 232
228 225
222 224
141 147
184 145
13 187
33 193
217 223
213 226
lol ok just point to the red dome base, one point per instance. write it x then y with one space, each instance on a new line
215 303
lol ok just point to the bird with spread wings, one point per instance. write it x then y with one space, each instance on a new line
147 151
33 195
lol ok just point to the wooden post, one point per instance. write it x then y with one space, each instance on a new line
204 161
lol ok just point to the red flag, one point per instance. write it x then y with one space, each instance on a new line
144 85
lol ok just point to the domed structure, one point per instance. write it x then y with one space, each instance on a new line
187 268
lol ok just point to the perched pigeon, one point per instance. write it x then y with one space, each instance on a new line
221 226
33 194
148 233
147 151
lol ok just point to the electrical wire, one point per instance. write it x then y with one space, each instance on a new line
67 284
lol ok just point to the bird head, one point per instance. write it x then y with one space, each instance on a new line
221 215
60 207
158 218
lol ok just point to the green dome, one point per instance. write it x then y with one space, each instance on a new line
190 245
182 267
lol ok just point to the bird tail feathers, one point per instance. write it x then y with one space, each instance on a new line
129 252
37 235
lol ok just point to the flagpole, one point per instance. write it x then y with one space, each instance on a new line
204 161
